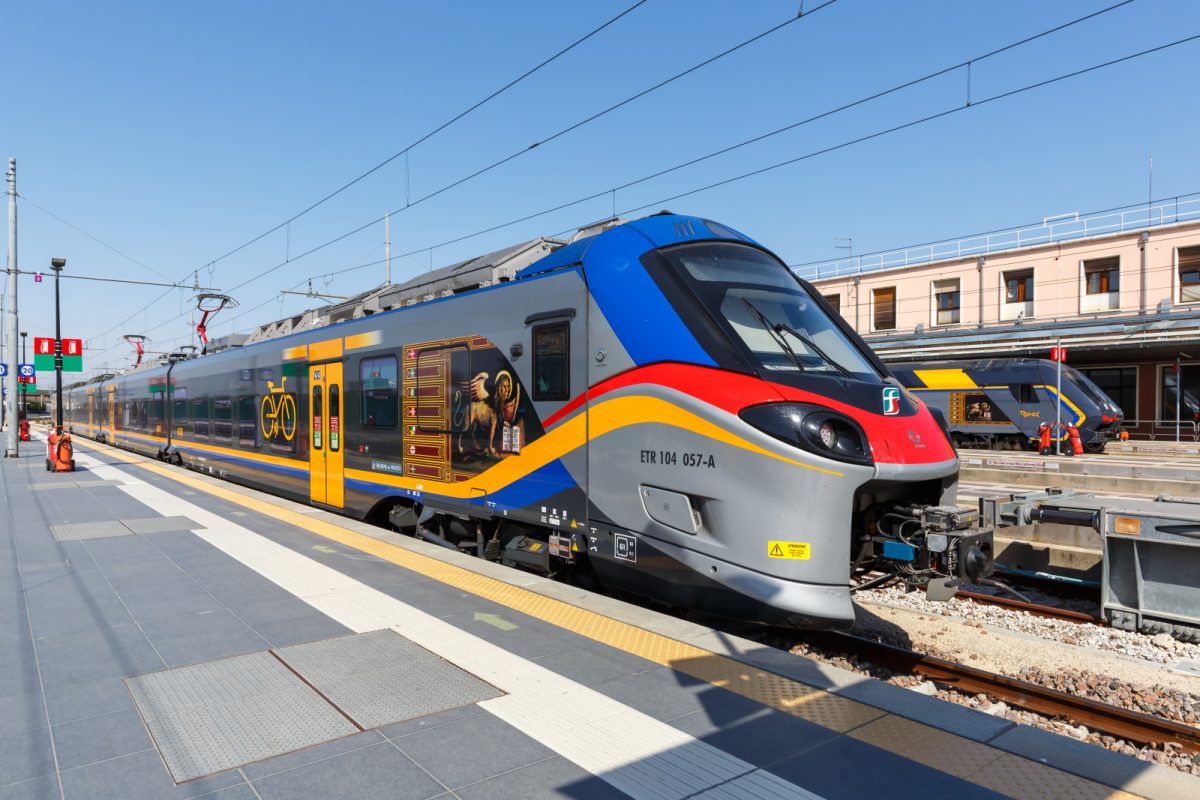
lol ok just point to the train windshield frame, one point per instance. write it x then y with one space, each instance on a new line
764 310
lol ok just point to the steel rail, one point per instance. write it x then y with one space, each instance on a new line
1049 612
1132 726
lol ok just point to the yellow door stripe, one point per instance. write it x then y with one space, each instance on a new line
1001 772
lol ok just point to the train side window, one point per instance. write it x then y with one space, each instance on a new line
179 406
335 418
318 417
223 418
248 421
1025 393
552 362
379 392
200 417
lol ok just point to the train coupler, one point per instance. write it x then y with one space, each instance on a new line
937 548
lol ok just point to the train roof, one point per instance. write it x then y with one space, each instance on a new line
975 364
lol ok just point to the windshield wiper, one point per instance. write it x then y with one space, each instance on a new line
775 334
809 343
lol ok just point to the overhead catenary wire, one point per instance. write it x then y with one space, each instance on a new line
424 138
546 140
779 165
427 136
768 168
575 126
813 154
714 154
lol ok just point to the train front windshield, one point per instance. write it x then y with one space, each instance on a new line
767 309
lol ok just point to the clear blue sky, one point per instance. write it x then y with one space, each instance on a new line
175 132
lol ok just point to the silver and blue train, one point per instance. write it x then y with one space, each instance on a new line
662 407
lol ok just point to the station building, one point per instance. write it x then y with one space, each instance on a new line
1120 289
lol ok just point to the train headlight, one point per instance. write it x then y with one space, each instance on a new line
818 430
828 434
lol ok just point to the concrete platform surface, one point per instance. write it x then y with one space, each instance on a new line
168 635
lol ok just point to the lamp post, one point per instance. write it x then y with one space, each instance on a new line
57 265
24 393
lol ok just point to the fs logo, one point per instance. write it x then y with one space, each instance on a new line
891 401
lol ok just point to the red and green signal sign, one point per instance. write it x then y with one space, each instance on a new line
44 352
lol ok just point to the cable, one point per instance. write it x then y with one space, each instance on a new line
98 241
779 165
540 142
789 162
504 160
113 280
431 133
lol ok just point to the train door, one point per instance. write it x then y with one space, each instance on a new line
325 457
111 419
91 411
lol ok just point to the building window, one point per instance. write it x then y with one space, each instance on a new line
1189 274
1018 286
946 302
884 309
1120 384
1102 275
552 362
835 301
1188 378
379 394
1101 285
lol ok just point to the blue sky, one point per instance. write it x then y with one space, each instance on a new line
177 131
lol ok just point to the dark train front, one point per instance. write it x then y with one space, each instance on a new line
748 452
662 405
1000 403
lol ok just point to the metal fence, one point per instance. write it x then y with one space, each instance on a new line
1060 228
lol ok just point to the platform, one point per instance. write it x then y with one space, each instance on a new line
1158 472
168 635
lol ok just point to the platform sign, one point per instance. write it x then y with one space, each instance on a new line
44 352
72 350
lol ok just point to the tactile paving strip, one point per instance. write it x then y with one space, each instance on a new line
79 531
222 714
380 677
161 524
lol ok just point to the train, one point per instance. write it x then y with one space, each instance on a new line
660 407
1001 403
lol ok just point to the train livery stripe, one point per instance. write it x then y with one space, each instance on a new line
945 379
606 417
611 415
227 453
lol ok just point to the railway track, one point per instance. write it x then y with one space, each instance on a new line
1131 726
1036 609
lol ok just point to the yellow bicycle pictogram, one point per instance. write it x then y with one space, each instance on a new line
278 412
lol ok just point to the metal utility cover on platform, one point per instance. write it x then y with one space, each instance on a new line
380 677
222 714
79 531
161 524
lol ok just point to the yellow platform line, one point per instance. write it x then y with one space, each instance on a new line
964 758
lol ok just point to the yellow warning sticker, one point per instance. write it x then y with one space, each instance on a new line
797 551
